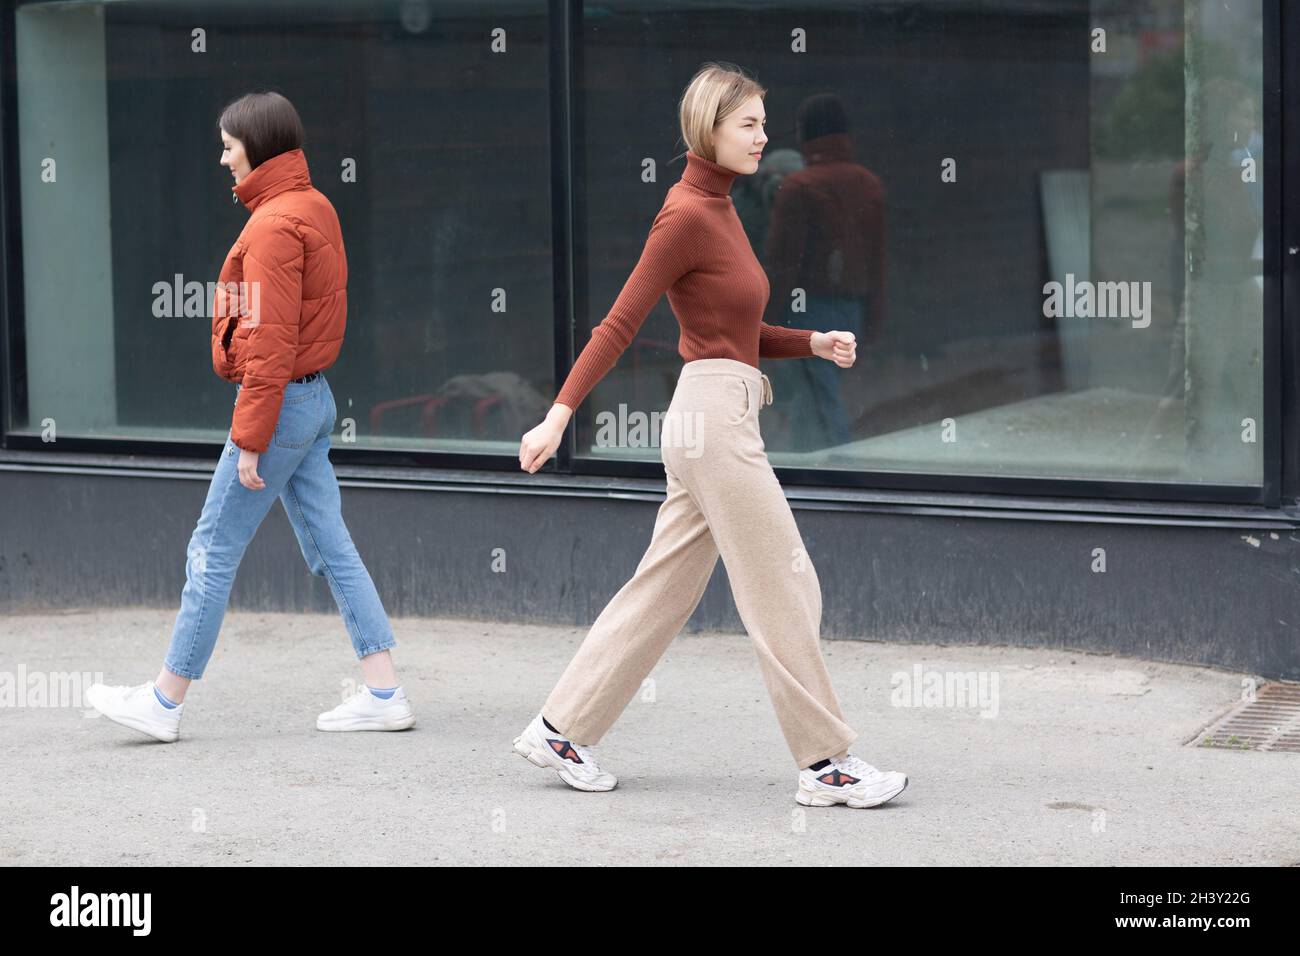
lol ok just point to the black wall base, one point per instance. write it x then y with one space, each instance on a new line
1212 594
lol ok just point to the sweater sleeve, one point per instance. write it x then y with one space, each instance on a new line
777 341
273 270
669 254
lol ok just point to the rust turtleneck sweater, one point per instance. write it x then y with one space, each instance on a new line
697 252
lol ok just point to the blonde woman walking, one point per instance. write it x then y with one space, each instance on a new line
723 496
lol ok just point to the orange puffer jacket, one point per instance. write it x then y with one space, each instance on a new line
281 301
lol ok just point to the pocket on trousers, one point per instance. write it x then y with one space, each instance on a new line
298 425
743 401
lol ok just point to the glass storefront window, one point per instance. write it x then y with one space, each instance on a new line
1042 219
428 128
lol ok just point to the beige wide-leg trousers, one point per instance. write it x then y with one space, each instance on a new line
723 497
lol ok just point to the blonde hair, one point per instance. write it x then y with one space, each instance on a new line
715 92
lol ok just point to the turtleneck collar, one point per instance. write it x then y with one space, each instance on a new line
708 175
830 148
287 170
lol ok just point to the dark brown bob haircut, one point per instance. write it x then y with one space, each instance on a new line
266 123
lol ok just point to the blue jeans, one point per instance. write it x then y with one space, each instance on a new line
296 468
817 404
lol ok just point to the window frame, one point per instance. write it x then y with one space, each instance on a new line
1281 350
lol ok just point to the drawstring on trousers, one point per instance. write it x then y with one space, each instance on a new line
767 389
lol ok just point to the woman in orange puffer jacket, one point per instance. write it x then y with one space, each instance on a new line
278 319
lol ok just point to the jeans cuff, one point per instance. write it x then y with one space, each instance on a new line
376 649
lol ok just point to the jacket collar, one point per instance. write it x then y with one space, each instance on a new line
285 171
708 175
830 148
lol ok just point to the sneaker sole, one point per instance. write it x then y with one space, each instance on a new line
166 737
538 759
821 799
367 723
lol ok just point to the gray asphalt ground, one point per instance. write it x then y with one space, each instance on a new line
1085 760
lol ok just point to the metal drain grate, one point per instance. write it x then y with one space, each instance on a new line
1269 722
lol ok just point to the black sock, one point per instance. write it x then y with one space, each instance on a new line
548 725
820 764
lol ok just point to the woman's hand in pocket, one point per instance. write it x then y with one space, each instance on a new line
248 476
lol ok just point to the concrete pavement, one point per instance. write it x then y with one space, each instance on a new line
1014 756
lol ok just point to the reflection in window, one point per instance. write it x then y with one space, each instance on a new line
1043 221
447 220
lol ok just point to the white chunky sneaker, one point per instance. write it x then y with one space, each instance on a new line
136 707
851 781
364 711
575 763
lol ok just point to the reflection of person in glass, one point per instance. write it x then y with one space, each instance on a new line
826 237
723 496
278 318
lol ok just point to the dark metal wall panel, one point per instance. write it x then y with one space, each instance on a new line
1227 596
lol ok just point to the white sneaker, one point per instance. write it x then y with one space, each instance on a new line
364 711
137 708
851 781
575 763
